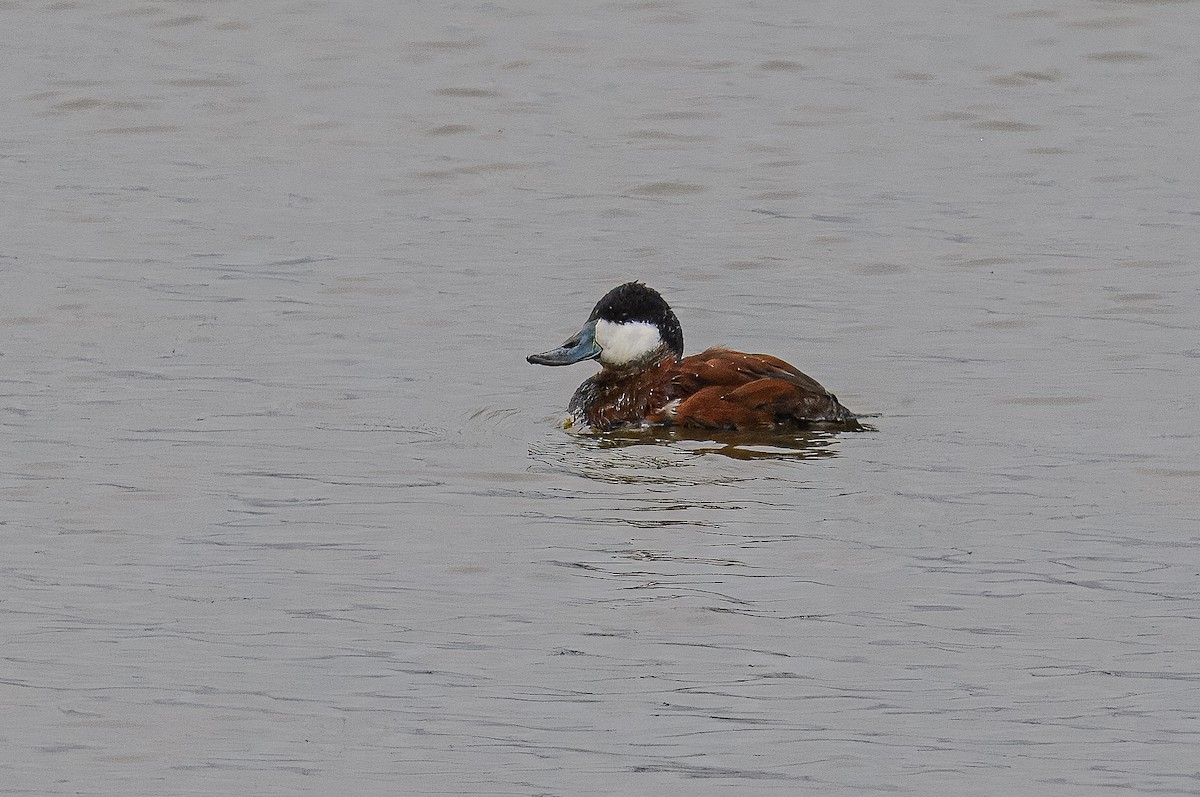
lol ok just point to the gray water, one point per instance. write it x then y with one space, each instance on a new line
285 510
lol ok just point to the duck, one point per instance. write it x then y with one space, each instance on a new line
645 381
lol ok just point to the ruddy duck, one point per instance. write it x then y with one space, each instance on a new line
646 381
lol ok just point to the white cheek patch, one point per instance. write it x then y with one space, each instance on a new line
622 344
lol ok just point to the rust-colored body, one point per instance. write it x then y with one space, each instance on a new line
716 389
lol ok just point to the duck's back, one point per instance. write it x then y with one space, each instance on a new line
724 389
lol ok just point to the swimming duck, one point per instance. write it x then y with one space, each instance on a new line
645 380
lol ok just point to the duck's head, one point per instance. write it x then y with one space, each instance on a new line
631 327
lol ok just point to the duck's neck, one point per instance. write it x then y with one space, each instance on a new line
661 357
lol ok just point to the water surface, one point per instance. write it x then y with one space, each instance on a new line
286 511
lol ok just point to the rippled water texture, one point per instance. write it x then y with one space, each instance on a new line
285 511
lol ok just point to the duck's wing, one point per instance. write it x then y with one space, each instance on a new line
727 389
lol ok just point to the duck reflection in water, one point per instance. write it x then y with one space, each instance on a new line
645 382
796 444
